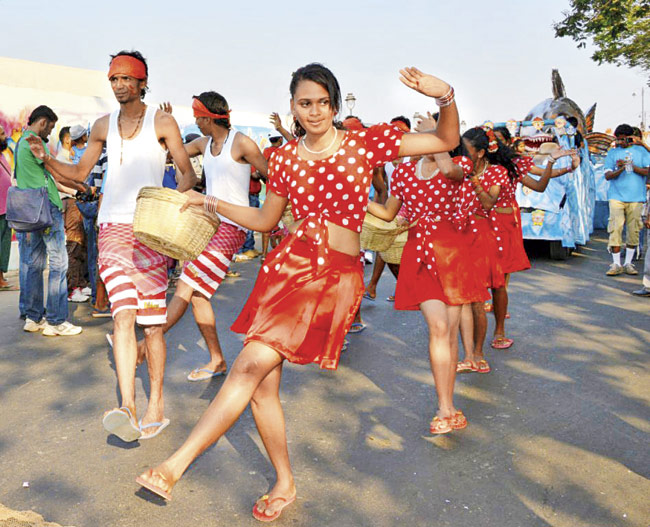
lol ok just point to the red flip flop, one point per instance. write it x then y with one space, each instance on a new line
458 421
440 425
500 342
482 366
262 516
466 366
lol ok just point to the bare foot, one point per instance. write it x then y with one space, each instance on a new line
155 414
372 291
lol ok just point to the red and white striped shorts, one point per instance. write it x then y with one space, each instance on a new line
206 272
122 293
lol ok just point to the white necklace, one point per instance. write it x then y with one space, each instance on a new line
316 152
418 171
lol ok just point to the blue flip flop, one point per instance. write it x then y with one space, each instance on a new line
210 373
120 423
161 426
357 327
367 296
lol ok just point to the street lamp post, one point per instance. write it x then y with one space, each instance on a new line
350 100
642 108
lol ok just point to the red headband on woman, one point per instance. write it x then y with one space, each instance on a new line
201 111
493 145
127 65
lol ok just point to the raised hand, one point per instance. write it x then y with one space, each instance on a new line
36 145
275 120
423 82
166 107
425 124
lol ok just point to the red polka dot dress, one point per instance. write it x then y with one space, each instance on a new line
471 217
513 256
435 263
307 294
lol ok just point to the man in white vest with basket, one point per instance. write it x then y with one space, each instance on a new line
137 138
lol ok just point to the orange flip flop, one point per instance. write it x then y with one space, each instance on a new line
440 425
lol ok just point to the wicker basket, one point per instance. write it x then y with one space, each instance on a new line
393 255
378 235
159 224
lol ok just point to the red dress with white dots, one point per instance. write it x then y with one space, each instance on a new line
435 263
471 217
307 294
513 257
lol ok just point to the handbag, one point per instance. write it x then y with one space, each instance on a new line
28 209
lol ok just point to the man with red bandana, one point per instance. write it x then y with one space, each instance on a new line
136 137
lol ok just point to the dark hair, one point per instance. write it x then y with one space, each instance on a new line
319 74
402 119
503 156
40 112
504 132
624 129
64 131
636 131
136 55
216 103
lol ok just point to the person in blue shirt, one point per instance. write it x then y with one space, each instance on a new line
626 170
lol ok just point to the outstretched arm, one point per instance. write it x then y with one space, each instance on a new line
65 172
557 172
263 219
441 139
548 173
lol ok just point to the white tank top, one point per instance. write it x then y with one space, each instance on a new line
143 165
225 178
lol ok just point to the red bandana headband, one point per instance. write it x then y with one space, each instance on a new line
201 111
493 145
352 123
127 65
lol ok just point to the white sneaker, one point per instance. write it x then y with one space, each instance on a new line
77 296
87 291
32 326
65 330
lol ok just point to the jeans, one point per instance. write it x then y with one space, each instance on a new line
35 249
5 243
249 244
91 243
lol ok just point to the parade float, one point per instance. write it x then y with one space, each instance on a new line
564 214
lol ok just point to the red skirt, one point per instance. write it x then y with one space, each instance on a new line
447 273
300 307
485 251
512 254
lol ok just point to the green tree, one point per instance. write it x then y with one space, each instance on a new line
620 30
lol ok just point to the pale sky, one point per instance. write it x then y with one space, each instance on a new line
497 54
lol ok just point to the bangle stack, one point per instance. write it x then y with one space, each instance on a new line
210 204
446 99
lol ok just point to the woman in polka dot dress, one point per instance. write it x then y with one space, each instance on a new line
310 286
437 276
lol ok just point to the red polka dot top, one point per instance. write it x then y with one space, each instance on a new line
435 196
336 187
507 194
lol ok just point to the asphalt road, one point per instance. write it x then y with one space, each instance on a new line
558 432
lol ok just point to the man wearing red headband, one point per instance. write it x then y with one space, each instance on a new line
227 158
136 137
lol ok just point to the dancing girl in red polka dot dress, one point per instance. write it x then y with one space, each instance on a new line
437 276
311 285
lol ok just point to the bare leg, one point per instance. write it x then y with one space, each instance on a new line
124 351
377 269
204 316
269 419
252 365
265 244
453 314
480 329
394 268
436 316
175 311
500 302
156 358
467 331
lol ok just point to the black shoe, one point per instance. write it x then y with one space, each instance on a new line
641 292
